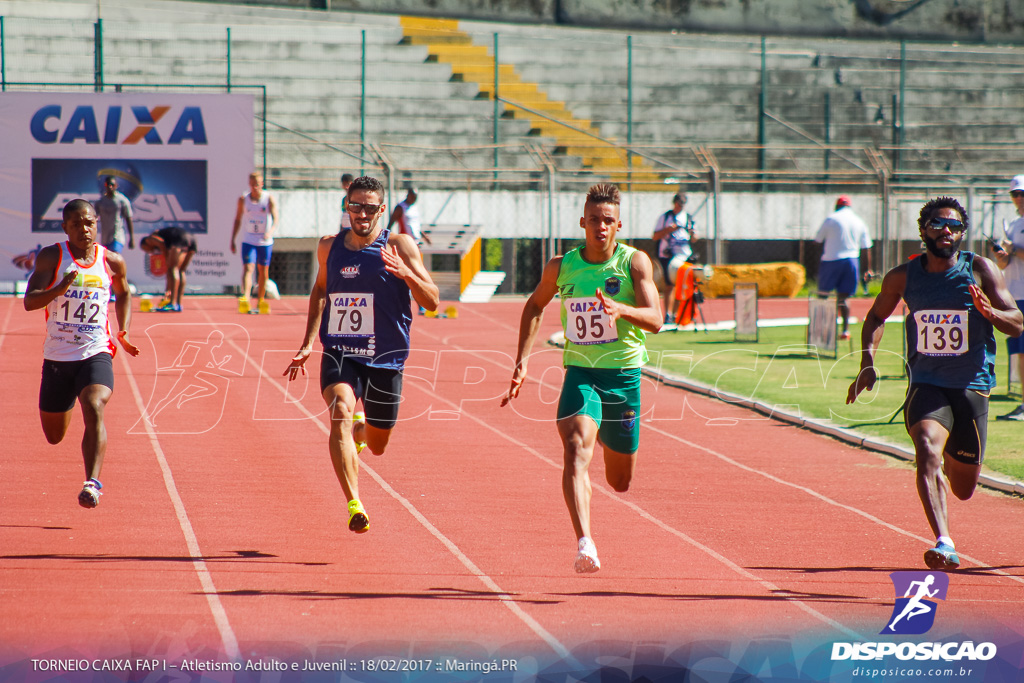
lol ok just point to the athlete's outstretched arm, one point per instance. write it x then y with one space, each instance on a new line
123 302
39 292
529 323
403 260
647 313
317 301
885 303
238 223
994 301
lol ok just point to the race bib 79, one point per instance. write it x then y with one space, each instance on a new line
351 315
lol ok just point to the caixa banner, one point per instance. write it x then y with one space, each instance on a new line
178 159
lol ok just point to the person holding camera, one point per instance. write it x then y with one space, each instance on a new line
1009 256
675 234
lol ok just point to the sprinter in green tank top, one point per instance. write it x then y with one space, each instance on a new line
608 300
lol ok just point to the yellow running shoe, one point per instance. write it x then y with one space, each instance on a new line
357 519
359 419
243 304
263 307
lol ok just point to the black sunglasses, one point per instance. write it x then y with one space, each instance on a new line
357 208
1017 193
953 224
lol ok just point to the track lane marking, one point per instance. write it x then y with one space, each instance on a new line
220 616
502 595
980 563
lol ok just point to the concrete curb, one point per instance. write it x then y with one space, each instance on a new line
825 427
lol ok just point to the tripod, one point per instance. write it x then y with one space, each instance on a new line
689 294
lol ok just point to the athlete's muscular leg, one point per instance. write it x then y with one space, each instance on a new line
619 469
247 269
844 310
376 439
94 442
342 402
262 273
963 477
182 268
579 435
929 439
55 425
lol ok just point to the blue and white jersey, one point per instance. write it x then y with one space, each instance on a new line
368 312
949 343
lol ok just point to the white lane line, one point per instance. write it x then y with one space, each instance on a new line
220 616
772 588
502 595
981 563
820 496
7 320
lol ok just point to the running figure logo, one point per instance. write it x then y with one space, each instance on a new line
190 393
913 613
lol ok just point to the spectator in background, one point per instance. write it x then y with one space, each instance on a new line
1009 256
674 233
115 214
407 216
257 212
844 235
346 220
177 246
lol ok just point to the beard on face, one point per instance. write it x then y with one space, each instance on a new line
943 252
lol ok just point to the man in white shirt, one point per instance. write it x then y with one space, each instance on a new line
844 235
1010 258
675 235
407 216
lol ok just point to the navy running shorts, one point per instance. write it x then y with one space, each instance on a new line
380 389
64 381
963 412
840 276
1016 344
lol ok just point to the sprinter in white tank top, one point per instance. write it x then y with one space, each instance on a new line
72 281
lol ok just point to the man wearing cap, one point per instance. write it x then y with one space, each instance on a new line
674 233
1009 256
844 235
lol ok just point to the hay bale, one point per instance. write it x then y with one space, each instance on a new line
773 279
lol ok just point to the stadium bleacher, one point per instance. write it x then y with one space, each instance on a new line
428 85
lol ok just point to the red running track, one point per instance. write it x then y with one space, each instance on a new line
222 531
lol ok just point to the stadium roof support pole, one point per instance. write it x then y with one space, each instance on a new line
3 57
903 99
229 58
98 55
761 99
362 101
828 131
629 106
550 242
497 109
264 88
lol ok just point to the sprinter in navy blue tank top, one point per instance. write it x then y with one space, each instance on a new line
365 277
954 300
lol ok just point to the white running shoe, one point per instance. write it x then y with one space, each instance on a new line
89 497
586 558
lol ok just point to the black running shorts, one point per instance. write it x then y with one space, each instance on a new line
963 412
379 388
63 381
